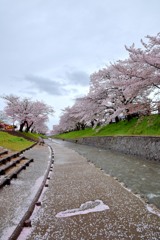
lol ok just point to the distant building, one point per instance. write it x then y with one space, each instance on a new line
7 127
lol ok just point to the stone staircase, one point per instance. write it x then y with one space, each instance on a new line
11 164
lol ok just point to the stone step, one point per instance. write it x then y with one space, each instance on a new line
10 164
9 156
3 152
14 171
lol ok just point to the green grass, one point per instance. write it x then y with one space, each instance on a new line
33 136
144 126
13 143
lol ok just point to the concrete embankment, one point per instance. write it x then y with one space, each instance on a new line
142 146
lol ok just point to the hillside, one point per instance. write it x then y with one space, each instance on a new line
144 126
14 143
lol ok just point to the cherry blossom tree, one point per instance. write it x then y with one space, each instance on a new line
130 83
3 117
124 88
148 59
40 126
11 108
66 124
149 56
29 114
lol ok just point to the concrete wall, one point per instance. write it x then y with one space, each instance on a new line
146 147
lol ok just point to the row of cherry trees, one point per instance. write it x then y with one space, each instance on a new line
121 89
29 115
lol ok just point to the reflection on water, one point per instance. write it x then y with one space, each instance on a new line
141 176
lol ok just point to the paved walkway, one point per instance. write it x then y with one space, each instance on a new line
17 197
109 210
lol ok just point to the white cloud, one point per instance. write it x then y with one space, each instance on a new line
46 85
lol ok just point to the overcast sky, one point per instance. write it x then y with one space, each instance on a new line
49 48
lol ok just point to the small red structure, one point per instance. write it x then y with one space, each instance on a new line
7 127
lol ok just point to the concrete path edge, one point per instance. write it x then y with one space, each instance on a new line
30 209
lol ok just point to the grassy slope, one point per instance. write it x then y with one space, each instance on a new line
13 143
149 125
33 136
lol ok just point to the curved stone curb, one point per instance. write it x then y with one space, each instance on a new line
25 219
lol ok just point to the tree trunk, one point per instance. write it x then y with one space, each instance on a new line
83 126
21 127
159 109
28 127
